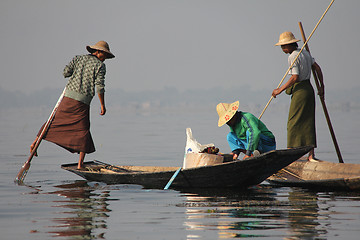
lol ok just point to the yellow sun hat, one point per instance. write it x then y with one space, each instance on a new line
226 111
286 38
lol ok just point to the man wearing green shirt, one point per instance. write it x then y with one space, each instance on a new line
247 133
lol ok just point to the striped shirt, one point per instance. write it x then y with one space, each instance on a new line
87 74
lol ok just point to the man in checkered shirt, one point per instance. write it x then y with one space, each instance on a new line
70 127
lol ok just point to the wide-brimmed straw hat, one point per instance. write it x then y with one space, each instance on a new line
226 111
102 46
286 38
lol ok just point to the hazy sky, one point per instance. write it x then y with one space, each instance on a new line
175 43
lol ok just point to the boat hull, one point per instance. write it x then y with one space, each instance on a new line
235 174
319 175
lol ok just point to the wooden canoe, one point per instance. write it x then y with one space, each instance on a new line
239 174
320 175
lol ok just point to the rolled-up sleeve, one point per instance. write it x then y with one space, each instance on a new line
100 79
69 69
294 70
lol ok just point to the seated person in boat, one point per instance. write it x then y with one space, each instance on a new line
247 133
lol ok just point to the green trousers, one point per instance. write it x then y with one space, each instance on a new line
301 121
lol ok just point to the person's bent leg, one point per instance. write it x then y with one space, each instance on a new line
33 145
266 144
236 145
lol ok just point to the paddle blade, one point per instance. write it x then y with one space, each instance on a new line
22 173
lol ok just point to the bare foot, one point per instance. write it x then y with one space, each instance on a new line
256 153
313 159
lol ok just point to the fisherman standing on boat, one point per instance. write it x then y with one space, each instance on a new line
301 120
248 133
70 127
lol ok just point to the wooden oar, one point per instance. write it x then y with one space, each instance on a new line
322 99
25 168
172 179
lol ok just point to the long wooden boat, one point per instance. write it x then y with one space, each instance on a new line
320 175
239 174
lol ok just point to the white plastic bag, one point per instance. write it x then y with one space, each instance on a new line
193 146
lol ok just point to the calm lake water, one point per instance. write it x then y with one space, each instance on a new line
54 203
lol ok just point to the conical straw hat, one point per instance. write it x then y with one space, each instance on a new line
226 111
286 38
102 46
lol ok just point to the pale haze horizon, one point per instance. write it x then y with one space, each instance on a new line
184 45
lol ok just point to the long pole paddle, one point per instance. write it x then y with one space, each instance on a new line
25 168
321 18
172 178
322 99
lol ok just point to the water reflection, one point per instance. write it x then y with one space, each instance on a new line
304 215
80 210
87 211
83 211
263 211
